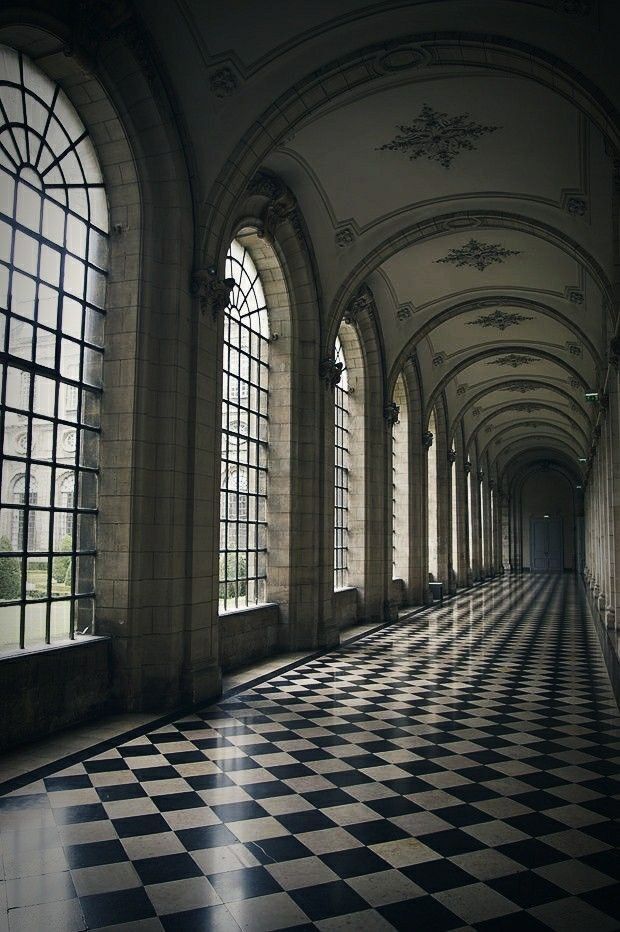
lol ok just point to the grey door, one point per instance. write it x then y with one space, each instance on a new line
546 551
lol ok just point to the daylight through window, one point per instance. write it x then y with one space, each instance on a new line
53 259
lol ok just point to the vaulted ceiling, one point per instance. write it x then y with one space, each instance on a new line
466 175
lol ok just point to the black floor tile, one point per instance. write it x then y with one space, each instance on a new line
423 912
243 884
433 876
94 853
166 867
527 889
327 900
122 906
355 861
207 836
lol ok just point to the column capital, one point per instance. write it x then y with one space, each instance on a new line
363 302
391 414
330 371
280 205
213 293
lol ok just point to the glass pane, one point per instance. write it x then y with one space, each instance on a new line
36 578
23 291
60 620
10 578
9 623
84 617
35 624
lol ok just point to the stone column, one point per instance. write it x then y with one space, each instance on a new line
613 415
418 558
327 629
444 511
466 523
454 576
476 556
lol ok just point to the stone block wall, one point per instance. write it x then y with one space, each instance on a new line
45 690
248 635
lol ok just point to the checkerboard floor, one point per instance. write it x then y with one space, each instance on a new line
459 770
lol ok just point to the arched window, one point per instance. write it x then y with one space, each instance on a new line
341 473
455 530
482 518
53 259
400 486
243 489
470 513
492 528
432 500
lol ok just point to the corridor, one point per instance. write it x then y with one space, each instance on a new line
455 770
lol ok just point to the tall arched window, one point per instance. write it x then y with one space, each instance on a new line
243 489
53 259
470 518
400 485
432 500
341 473
492 528
455 530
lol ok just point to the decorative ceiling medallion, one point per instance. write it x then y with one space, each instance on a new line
475 412
439 359
576 206
223 83
499 319
435 136
575 349
514 360
520 386
574 295
344 237
526 406
462 389
460 223
576 7
405 311
574 383
477 255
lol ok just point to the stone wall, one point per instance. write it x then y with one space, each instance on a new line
45 690
248 635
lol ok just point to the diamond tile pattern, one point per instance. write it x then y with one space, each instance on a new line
460 769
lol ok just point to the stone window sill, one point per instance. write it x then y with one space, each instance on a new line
82 641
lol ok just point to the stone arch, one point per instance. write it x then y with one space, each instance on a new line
536 383
493 351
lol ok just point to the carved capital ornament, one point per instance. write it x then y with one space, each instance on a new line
391 413
212 292
362 303
330 371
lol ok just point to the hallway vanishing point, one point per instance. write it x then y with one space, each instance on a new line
458 769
